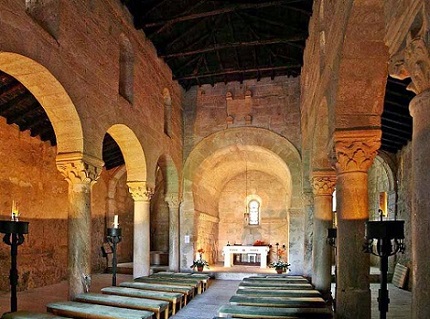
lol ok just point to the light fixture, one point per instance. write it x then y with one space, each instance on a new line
388 236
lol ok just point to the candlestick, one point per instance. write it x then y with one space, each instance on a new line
15 212
115 221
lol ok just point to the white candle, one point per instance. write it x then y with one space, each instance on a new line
15 212
115 221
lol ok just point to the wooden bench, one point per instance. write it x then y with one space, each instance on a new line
274 285
156 306
272 312
174 275
296 280
175 298
279 292
30 315
82 310
195 283
186 291
282 302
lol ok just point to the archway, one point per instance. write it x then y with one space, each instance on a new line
226 151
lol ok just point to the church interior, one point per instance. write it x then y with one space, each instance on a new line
237 131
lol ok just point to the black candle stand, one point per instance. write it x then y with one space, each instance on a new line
389 236
14 236
114 238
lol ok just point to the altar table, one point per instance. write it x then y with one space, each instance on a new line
230 250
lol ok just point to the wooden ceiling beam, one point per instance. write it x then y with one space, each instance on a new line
237 71
222 46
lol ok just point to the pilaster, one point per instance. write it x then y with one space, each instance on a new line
80 175
141 194
323 184
354 152
173 203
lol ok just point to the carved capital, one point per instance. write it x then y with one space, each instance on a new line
355 150
172 200
413 61
140 191
323 182
79 171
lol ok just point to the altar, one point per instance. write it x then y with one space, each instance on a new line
228 252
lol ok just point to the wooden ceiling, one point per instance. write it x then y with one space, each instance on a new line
211 41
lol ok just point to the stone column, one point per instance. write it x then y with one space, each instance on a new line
355 151
308 201
81 174
323 183
173 203
141 238
414 62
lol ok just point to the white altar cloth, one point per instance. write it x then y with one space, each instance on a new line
230 250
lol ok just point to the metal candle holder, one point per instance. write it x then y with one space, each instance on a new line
331 237
389 236
114 237
14 236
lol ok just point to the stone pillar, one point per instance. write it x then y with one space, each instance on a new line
141 238
81 174
414 61
323 183
355 151
173 203
308 203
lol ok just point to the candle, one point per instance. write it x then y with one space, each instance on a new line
115 221
15 212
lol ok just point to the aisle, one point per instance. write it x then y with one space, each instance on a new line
205 306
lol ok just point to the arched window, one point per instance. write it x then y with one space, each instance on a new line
254 212
167 112
126 66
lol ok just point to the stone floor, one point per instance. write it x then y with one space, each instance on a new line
203 306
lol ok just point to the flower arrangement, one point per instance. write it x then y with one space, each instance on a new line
259 243
279 264
200 263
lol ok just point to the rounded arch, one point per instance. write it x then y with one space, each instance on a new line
134 156
52 97
256 137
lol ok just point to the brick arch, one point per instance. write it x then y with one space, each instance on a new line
52 97
132 150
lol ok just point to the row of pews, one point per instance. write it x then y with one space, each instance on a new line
275 296
152 297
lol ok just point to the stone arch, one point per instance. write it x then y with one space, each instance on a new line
134 156
250 145
52 97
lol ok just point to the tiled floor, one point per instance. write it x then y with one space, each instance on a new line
203 306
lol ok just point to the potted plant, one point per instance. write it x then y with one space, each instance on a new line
280 266
200 263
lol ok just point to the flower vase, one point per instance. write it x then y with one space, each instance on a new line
200 268
279 270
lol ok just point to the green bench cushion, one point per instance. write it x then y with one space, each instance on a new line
188 282
91 311
158 287
270 301
124 302
29 315
274 279
272 312
272 285
141 293
279 292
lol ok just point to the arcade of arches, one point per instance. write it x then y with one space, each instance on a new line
193 160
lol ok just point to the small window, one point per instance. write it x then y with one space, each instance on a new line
254 212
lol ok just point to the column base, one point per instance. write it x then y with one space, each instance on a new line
352 303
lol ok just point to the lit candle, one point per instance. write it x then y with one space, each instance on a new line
115 221
15 212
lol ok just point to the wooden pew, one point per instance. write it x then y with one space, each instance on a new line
279 292
82 310
186 291
173 275
175 298
295 280
274 285
188 282
281 302
156 306
273 312
30 315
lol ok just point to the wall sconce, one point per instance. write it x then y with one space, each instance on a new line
389 236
